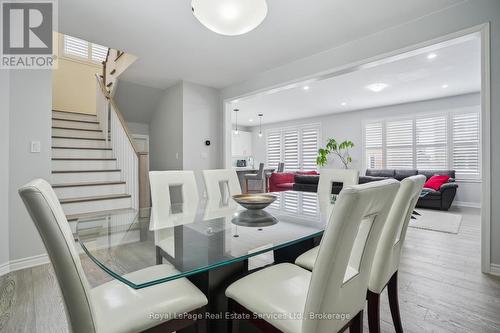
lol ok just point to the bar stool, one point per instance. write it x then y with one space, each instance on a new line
259 176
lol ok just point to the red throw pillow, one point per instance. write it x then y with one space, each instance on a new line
282 177
307 173
436 181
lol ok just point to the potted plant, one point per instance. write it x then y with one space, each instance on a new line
341 150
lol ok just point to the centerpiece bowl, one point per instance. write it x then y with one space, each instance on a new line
254 201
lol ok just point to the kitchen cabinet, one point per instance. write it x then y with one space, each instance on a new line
241 144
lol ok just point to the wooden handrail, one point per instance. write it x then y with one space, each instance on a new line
117 112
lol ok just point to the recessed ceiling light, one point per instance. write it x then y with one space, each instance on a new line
444 86
431 56
235 101
377 87
343 103
306 88
230 17
250 120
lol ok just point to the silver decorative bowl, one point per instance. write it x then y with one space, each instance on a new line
254 201
254 218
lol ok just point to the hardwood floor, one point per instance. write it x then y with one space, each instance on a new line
441 288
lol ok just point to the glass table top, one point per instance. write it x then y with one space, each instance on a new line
143 250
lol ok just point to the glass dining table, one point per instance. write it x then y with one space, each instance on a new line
212 245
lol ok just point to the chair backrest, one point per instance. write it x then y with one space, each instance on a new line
351 236
326 179
221 184
281 167
260 173
387 256
172 189
52 225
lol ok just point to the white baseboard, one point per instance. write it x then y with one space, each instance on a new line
15 265
4 268
495 269
466 204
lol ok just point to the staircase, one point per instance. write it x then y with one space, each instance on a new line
85 172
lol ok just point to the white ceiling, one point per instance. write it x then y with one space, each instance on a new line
455 70
172 45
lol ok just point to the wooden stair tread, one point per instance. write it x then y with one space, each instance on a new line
76 120
74 112
85 148
76 138
85 171
88 184
77 129
83 159
95 198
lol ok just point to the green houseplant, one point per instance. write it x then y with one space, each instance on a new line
341 150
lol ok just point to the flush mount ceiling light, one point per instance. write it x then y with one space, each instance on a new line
377 87
444 86
306 88
431 56
230 17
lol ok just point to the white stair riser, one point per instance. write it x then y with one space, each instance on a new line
95 206
84 165
89 191
74 116
77 133
78 143
81 153
80 177
74 124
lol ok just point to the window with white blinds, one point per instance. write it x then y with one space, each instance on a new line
79 48
297 203
466 144
449 140
297 147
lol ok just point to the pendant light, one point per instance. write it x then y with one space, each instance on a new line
236 115
230 17
260 124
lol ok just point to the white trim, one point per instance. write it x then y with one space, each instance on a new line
28 262
4 268
466 204
495 269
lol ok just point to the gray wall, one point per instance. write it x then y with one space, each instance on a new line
165 140
4 166
201 121
31 117
136 102
138 128
349 126
462 16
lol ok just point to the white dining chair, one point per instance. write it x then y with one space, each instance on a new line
386 262
221 184
112 307
327 178
173 194
289 298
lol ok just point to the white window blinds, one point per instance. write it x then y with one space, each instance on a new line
431 143
449 140
297 147
373 145
466 144
273 149
399 144
79 48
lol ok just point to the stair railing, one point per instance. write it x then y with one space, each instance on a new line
133 164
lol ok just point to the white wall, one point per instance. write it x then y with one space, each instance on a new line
349 126
137 102
138 128
464 15
31 119
165 139
201 121
4 167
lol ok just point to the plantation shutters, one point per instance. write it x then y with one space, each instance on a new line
309 148
291 149
431 143
273 149
373 145
79 48
399 144
466 144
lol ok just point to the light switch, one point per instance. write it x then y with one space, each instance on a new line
35 146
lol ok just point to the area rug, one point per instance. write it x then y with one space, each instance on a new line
436 221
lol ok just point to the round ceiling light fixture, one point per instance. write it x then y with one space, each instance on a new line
230 17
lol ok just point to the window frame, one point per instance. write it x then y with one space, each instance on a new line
299 129
448 114
88 60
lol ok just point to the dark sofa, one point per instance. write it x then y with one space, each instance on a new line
441 199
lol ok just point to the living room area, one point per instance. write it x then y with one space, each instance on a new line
417 112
